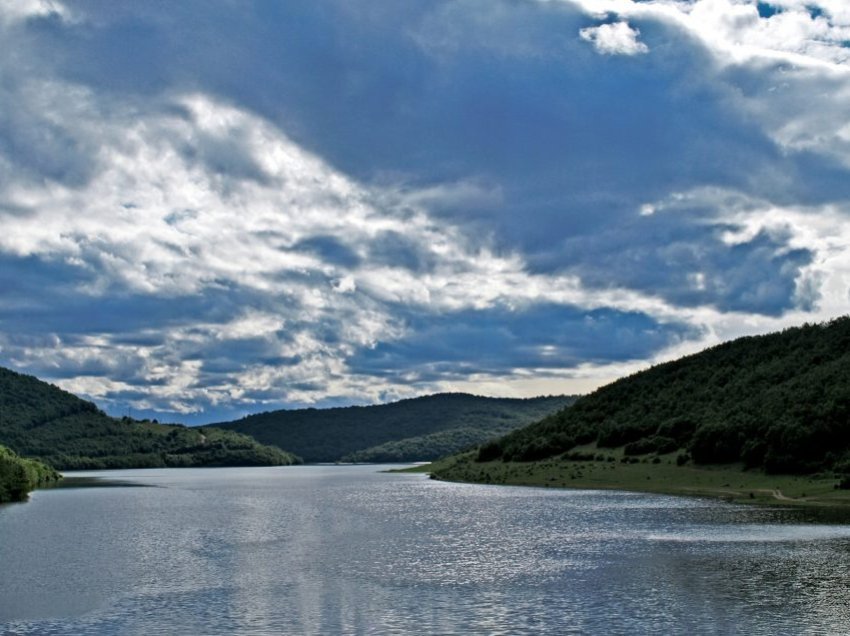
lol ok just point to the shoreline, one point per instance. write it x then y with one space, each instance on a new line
728 483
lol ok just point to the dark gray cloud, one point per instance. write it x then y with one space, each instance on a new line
60 306
225 156
397 250
458 344
689 264
329 249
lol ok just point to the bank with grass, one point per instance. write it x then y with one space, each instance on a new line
611 470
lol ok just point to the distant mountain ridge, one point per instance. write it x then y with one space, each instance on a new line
415 429
39 420
778 402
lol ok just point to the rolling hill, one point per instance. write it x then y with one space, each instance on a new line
417 429
778 403
39 420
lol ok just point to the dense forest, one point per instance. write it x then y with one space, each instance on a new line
18 476
778 403
417 429
41 421
427 447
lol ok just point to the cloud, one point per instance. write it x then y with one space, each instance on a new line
214 209
801 30
614 39
497 340
212 280
686 257
21 10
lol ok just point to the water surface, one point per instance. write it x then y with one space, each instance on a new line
351 550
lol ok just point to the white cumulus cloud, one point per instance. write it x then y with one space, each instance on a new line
615 39
18 10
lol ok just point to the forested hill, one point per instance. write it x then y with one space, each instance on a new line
42 421
779 402
417 429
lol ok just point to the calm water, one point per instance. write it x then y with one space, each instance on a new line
330 550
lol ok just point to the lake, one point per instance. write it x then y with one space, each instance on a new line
351 550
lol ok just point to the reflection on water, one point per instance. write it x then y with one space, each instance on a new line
325 550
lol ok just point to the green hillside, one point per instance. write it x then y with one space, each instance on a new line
19 475
426 447
778 403
39 420
417 429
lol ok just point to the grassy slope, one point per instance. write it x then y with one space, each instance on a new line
42 421
729 482
409 430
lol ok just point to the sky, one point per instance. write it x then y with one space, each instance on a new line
210 208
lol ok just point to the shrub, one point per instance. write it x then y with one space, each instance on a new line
489 452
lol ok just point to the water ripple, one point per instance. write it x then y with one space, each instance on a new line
349 550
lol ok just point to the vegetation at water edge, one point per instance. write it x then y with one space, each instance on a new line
18 476
609 469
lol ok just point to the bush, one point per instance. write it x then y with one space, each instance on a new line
489 452
679 429
19 475
716 444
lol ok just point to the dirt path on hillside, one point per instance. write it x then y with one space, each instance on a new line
777 494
